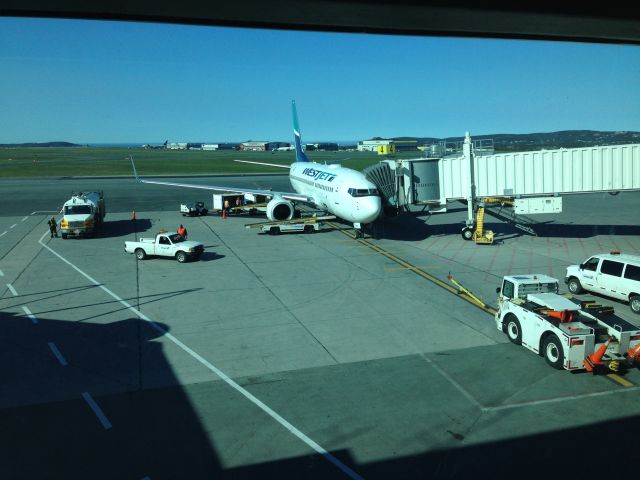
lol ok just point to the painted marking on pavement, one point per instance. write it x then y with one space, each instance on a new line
29 314
223 376
57 354
618 379
3 233
12 290
1 273
14 225
413 268
97 410
559 399
24 218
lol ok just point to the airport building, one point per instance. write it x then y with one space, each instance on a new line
254 146
372 145
210 146
387 146
325 147
177 146
262 146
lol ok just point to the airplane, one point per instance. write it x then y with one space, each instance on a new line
340 191
155 147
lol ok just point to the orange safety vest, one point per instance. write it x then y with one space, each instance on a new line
182 231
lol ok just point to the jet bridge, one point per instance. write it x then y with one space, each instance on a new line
533 181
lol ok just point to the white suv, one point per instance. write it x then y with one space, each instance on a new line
610 274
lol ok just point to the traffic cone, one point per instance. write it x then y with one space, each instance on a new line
133 215
224 214
596 358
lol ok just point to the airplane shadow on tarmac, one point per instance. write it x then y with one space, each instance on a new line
155 431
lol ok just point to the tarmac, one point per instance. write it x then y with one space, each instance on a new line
291 356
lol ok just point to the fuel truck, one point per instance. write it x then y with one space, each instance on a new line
83 213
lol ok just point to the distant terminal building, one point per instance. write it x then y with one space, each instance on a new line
405 145
372 145
254 146
263 146
194 146
387 146
177 146
278 146
210 146
326 147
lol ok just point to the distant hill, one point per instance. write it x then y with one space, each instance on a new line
43 144
510 142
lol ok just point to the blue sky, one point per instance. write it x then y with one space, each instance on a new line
95 81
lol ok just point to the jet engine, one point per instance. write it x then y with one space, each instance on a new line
280 209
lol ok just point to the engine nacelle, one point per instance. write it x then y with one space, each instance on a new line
280 209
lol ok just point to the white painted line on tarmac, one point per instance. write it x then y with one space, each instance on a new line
3 233
12 290
223 376
14 225
1 273
29 314
97 410
57 354
24 218
571 398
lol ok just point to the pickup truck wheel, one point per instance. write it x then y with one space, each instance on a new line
181 257
552 351
574 286
513 329
634 303
140 254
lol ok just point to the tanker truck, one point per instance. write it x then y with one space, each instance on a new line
83 213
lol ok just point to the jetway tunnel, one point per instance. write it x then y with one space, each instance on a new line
531 182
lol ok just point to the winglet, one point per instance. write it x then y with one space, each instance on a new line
135 172
300 156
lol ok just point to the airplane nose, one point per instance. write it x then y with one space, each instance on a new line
370 208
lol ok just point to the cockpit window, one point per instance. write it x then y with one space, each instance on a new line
363 192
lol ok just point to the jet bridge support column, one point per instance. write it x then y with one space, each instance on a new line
467 150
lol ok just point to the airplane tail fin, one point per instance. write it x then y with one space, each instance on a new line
300 156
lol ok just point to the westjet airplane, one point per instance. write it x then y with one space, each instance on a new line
340 191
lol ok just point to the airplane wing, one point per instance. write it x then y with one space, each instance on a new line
295 197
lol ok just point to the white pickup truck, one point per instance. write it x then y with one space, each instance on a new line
165 244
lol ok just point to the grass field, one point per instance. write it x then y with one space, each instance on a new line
81 161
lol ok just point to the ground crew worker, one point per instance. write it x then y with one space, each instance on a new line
182 231
53 227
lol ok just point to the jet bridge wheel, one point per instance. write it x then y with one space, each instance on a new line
513 329
552 351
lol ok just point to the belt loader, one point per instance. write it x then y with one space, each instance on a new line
568 333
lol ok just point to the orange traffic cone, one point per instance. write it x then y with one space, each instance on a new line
596 358
133 215
224 214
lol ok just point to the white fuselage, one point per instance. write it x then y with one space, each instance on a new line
344 192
